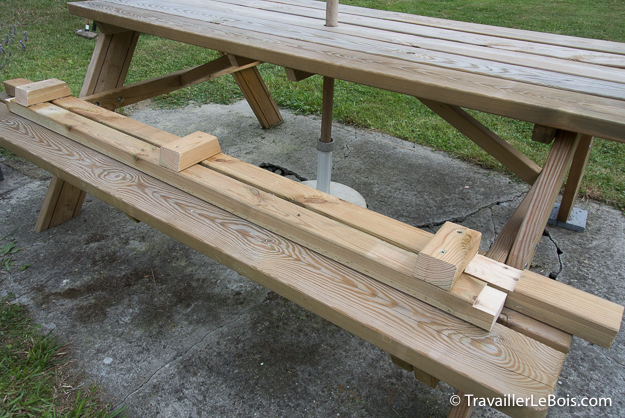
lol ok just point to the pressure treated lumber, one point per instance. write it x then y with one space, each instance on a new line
186 151
470 299
398 234
486 139
447 254
547 188
296 75
391 320
543 134
576 174
579 112
122 96
10 85
41 91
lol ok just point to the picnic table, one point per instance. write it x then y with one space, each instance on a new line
572 89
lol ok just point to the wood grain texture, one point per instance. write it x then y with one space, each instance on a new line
447 254
354 248
547 188
41 91
486 139
548 335
189 150
486 364
10 85
396 233
576 174
579 112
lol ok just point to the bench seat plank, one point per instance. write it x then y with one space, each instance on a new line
491 364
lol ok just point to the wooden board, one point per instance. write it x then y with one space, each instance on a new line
10 85
470 299
485 364
576 111
398 234
41 91
189 150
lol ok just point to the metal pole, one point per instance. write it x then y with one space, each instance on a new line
325 145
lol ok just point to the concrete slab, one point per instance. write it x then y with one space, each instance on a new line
170 333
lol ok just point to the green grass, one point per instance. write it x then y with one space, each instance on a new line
35 378
54 51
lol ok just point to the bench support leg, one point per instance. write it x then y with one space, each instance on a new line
107 70
463 409
574 181
257 95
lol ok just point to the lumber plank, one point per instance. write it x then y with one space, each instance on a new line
358 250
122 96
189 150
10 85
547 188
578 112
52 197
296 75
576 174
387 318
599 320
447 254
539 331
486 139
394 232
41 91
543 134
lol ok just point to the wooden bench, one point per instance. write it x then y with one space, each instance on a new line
365 272
570 88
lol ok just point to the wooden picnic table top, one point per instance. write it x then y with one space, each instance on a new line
561 81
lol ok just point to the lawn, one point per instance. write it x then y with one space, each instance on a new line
54 51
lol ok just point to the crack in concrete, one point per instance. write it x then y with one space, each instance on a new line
559 252
463 217
179 356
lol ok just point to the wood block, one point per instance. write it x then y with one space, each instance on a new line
10 85
296 75
446 256
544 134
426 378
41 91
191 149
401 363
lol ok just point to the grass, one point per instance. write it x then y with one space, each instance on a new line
54 51
35 375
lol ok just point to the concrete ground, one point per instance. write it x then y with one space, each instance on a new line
168 332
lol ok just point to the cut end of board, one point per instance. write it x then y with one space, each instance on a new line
189 150
447 254
30 94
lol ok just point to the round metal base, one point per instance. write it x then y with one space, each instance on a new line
342 192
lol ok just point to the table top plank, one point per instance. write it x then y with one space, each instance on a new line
290 27
579 111
477 28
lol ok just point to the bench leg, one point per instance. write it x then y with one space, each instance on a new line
257 95
107 70
463 409
63 202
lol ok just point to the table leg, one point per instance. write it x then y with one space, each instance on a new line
574 181
524 229
257 95
108 68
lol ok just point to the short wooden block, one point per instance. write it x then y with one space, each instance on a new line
544 134
189 150
10 85
41 91
426 378
296 75
447 254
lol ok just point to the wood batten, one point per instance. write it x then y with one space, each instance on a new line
142 90
296 75
10 85
486 139
543 134
539 331
189 150
447 254
354 248
40 92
